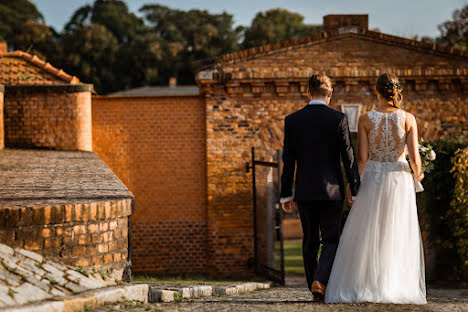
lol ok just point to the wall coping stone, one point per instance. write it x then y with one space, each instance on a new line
41 178
142 97
49 88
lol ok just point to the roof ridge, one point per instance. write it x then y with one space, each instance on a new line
327 35
35 60
419 44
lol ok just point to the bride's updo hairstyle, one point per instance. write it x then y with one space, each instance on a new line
389 87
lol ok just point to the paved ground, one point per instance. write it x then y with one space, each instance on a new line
296 297
26 276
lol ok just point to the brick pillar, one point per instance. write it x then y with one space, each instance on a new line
48 116
2 130
346 22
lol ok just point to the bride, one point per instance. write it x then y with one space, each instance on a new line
380 254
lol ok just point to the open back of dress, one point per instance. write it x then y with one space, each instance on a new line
387 140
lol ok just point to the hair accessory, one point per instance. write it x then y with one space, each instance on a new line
391 84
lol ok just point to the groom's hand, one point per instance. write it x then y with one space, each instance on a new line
349 196
288 206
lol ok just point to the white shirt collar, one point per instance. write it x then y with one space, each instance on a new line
317 102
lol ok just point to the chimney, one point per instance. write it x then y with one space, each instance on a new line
172 82
348 23
3 47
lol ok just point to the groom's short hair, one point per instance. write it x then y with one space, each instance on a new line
319 85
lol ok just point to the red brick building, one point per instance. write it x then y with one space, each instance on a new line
248 93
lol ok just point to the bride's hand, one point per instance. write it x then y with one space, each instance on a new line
420 178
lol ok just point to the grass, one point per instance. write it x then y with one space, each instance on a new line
82 271
128 304
293 261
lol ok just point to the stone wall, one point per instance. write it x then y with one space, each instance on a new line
156 145
54 117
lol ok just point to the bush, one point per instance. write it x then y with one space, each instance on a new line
434 205
457 216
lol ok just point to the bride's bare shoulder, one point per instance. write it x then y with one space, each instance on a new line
410 121
364 117
409 118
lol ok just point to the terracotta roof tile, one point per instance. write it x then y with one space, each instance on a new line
23 68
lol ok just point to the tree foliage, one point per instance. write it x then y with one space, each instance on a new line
113 14
111 47
457 216
22 27
454 33
276 25
90 52
190 35
437 213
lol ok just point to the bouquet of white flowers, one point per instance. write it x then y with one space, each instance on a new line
428 155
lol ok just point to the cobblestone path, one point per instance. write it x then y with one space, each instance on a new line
287 299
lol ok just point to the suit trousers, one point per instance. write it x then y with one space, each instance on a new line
320 218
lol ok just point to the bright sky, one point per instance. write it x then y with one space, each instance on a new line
404 18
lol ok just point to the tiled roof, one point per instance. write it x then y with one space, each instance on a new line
23 68
324 36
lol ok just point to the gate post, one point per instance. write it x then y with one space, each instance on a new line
278 157
254 199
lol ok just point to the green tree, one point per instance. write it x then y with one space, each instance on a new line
13 14
22 27
128 56
143 59
113 14
190 35
454 33
276 25
90 53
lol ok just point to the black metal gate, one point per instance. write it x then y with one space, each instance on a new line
267 218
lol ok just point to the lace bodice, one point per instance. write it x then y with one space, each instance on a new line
387 139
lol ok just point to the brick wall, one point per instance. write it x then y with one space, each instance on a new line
56 117
90 234
156 146
2 130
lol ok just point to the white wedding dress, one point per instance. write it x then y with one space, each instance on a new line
380 254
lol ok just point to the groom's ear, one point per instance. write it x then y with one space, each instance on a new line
330 93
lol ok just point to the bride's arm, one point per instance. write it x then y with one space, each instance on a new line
363 143
412 143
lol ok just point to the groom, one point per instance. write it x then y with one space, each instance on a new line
315 139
